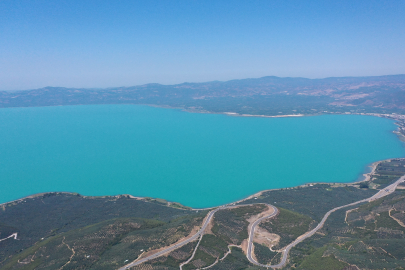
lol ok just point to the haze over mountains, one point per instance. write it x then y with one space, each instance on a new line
267 95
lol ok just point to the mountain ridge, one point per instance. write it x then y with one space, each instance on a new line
268 95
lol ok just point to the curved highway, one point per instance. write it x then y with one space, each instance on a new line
384 192
195 236
252 233
178 245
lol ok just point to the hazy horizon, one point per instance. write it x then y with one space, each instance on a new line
197 82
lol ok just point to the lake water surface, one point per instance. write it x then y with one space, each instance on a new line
199 160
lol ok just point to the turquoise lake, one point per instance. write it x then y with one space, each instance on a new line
199 160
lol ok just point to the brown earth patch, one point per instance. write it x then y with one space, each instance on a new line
253 253
244 246
252 219
208 229
263 237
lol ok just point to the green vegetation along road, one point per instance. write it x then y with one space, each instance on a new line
199 233
111 232
382 193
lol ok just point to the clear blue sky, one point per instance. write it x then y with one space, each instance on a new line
121 43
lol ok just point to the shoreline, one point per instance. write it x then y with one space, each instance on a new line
262 115
367 177
393 116
190 110
398 118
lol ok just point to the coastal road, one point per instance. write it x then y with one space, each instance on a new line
195 236
388 190
384 192
178 245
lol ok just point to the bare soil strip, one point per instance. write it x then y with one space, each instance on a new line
71 257
394 218
192 255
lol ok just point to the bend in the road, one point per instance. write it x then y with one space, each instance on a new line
384 192
192 238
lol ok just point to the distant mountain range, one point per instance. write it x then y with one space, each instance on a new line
266 96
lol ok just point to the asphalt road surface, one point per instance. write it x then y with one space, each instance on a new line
178 245
386 191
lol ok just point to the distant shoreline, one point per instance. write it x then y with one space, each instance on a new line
191 110
262 115
366 176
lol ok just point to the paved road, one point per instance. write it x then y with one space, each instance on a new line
384 192
178 245
14 235
388 190
252 233
195 236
